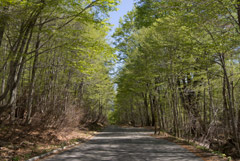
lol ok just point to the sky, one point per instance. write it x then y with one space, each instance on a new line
124 7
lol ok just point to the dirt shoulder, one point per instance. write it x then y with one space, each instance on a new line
205 154
18 143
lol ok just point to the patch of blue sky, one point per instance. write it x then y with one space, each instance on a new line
124 7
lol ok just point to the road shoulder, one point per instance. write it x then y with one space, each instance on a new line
204 154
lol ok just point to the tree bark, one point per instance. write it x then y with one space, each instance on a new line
151 100
146 109
32 81
3 23
231 108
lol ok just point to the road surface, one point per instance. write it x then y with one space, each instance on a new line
126 144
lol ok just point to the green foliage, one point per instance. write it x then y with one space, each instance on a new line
65 58
112 117
17 158
176 55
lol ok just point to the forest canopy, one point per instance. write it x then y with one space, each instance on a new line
179 67
55 61
181 70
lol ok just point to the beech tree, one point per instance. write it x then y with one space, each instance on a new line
182 70
51 51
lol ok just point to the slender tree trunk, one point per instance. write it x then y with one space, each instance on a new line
159 118
32 82
13 103
204 110
162 117
20 49
67 90
141 116
176 109
226 111
146 109
231 108
152 109
13 93
238 12
210 101
3 81
3 23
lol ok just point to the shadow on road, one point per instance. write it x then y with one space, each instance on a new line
126 144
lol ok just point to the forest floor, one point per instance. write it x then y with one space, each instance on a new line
18 143
204 153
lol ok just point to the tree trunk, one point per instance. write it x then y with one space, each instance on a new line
146 109
225 108
3 81
204 110
231 108
3 22
152 109
141 116
32 83
238 12
210 101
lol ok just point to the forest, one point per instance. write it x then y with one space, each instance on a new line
178 67
181 70
54 60
54 66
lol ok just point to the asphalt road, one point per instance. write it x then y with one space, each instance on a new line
126 144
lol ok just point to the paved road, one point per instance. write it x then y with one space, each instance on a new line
126 144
